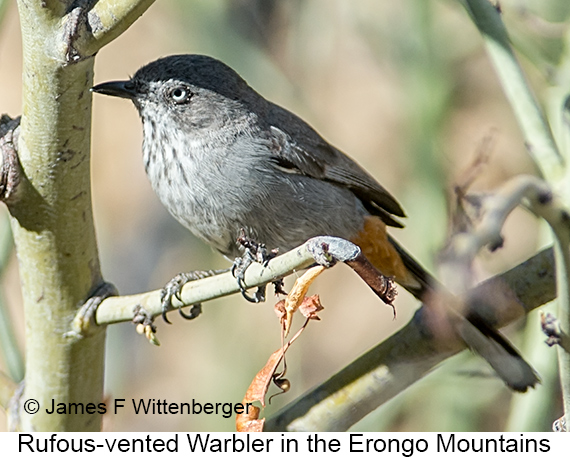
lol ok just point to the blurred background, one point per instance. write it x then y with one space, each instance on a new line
406 89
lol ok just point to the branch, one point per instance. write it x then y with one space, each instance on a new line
550 326
85 26
109 19
562 249
543 203
322 250
410 354
52 220
494 210
536 131
559 221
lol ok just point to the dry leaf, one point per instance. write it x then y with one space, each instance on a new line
250 422
295 297
311 306
279 309
259 387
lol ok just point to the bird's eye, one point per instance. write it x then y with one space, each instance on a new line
180 95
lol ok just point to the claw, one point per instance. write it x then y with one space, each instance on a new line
254 252
258 296
174 288
164 318
166 302
241 264
246 296
195 311
84 322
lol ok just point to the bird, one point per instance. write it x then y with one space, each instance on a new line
226 161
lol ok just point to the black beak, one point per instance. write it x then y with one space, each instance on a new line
123 89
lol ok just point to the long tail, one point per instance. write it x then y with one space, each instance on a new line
477 333
392 259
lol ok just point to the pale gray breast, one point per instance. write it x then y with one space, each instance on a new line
216 187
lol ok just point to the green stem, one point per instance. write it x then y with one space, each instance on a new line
53 226
53 222
562 256
109 19
120 309
536 131
8 344
532 412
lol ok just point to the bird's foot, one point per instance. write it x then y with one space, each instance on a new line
84 323
253 252
174 287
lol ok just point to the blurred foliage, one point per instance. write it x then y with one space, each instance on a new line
3 5
9 349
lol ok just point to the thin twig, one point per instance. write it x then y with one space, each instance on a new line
109 19
536 131
463 247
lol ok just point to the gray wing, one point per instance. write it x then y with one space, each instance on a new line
297 148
